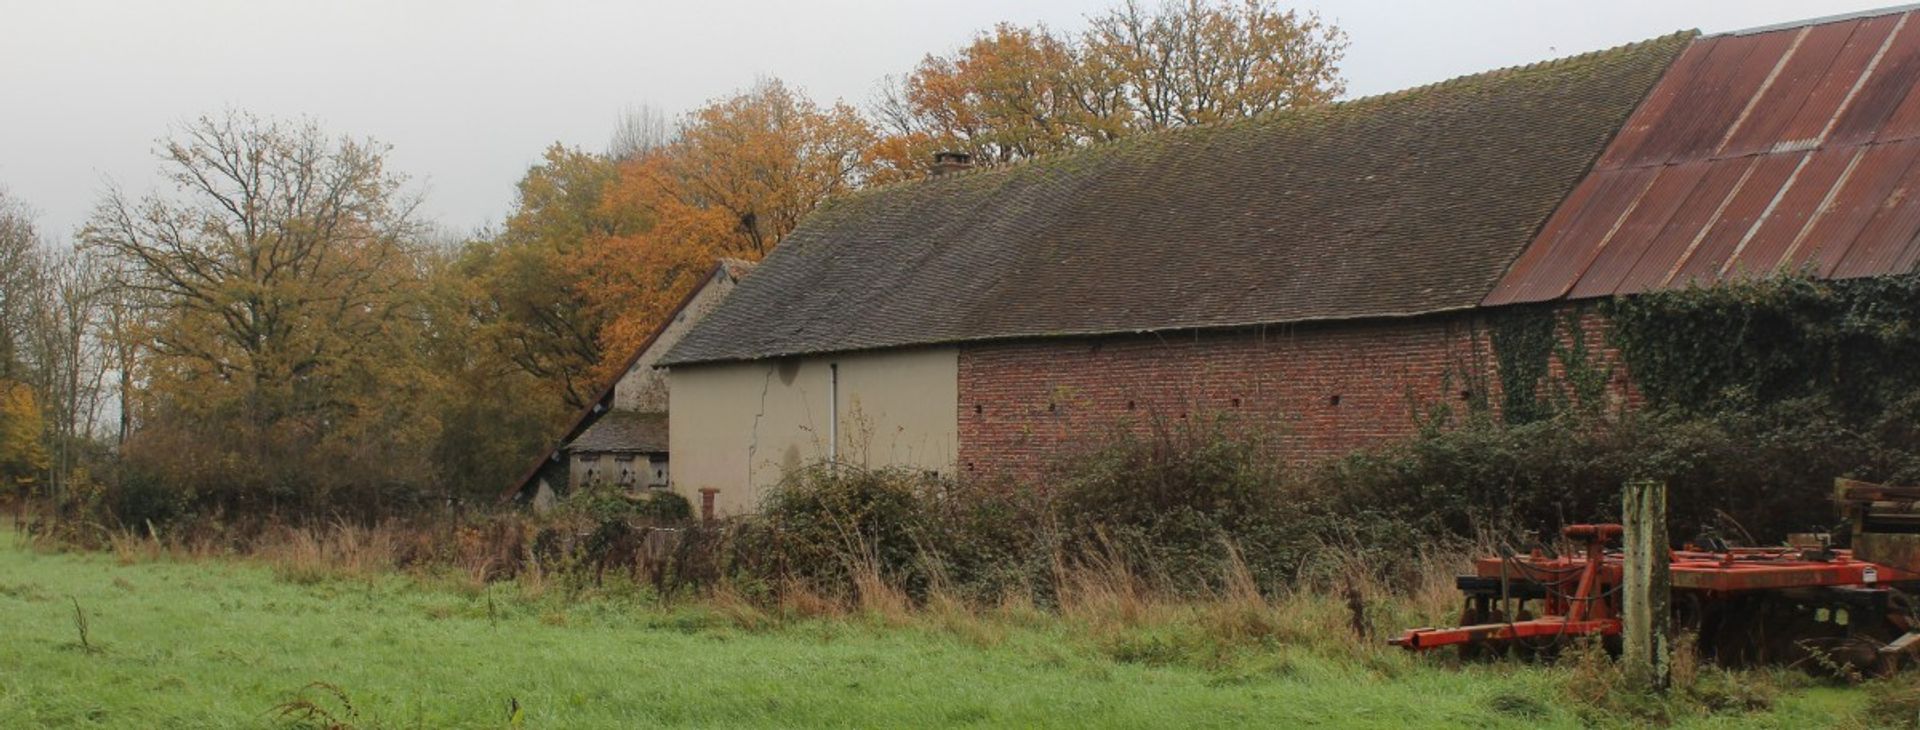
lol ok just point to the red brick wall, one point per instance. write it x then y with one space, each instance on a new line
1327 389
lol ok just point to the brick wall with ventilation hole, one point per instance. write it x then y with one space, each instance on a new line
1324 389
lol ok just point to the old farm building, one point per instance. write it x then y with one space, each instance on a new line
621 437
1330 270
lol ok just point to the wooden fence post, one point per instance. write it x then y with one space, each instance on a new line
1646 604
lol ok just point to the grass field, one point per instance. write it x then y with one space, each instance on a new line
216 643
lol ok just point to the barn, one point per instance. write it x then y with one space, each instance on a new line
1330 271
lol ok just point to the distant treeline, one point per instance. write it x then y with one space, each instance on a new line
277 331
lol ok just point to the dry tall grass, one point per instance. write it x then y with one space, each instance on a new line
1107 596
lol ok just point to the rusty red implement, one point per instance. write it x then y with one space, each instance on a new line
1747 603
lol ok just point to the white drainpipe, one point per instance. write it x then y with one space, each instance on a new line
833 415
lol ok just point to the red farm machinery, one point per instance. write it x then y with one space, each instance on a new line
1808 601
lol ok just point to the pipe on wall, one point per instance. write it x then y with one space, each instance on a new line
833 415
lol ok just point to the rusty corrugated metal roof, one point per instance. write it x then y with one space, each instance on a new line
1789 148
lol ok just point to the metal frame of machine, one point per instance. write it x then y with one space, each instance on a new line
1807 602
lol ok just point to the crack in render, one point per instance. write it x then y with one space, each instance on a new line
753 435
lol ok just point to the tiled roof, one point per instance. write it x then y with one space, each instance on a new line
624 432
1402 204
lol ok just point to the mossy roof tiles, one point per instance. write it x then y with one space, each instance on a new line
1402 204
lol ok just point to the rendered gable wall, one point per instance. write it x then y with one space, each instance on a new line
644 388
738 428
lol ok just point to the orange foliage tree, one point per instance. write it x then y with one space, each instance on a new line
637 229
22 456
737 178
1016 92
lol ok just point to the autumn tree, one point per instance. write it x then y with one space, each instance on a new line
1016 92
739 175
1009 94
23 458
528 285
1195 62
282 295
757 162
71 358
492 415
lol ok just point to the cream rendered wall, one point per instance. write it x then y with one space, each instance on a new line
738 427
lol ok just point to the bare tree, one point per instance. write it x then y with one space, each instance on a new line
1195 61
122 325
638 131
71 358
20 275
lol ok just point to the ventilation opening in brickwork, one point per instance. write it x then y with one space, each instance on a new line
1236 402
1333 400
978 409
1129 405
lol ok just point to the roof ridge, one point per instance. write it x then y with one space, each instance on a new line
1518 69
1821 20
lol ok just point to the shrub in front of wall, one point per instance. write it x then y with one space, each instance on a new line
1174 497
1745 475
831 523
986 539
600 502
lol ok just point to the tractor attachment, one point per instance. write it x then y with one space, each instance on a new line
1808 602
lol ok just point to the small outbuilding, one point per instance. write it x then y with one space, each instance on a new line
621 438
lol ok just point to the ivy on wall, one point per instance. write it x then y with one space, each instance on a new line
1852 345
1523 343
1526 343
1757 395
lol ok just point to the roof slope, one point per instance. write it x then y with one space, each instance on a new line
1402 204
624 432
602 402
1793 148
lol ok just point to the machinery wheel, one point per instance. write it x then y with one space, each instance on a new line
1821 636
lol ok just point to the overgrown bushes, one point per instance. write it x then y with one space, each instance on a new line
1745 477
1816 390
1183 508
1176 508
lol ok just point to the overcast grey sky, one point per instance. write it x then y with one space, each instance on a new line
468 92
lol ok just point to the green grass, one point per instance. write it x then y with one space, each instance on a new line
223 643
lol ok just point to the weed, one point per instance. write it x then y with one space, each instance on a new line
1894 701
1518 705
83 627
328 709
493 614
